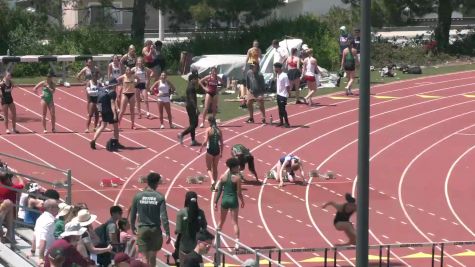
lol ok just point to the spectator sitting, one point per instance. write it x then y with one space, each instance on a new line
71 235
87 246
48 194
56 257
7 201
44 229
51 194
33 203
64 211
123 260
126 239
204 241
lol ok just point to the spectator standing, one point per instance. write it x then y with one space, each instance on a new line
44 229
283 88
151 209
108 234
189 222
280 53
256 86
204 241
253 55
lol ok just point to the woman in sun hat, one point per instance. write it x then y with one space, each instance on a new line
86 245
64 210
67 244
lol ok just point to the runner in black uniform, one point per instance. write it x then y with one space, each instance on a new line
6 87
191 108
108 109
342 218
214 149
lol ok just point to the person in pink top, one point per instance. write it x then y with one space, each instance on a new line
211 88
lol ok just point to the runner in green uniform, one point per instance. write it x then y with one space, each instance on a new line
243 154
214 149
230 186
47 101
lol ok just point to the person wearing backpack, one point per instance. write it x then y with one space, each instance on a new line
108 234
349 59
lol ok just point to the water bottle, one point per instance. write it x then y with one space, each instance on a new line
270 119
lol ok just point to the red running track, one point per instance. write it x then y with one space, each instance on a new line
421 157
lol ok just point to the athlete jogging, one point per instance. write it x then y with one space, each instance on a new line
230 187
47 102
342 218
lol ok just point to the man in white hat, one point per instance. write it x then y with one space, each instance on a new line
44 228
71 235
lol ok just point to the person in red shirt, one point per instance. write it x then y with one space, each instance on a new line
7 200
67 245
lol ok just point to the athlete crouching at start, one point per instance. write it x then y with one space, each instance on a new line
287 167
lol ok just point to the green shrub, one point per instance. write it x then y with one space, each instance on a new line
312 30
465 46
383 54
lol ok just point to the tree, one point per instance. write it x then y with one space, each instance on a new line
388 12
217 12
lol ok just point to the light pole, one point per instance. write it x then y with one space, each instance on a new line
363 138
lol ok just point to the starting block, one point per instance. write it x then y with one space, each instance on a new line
111 182
316 174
